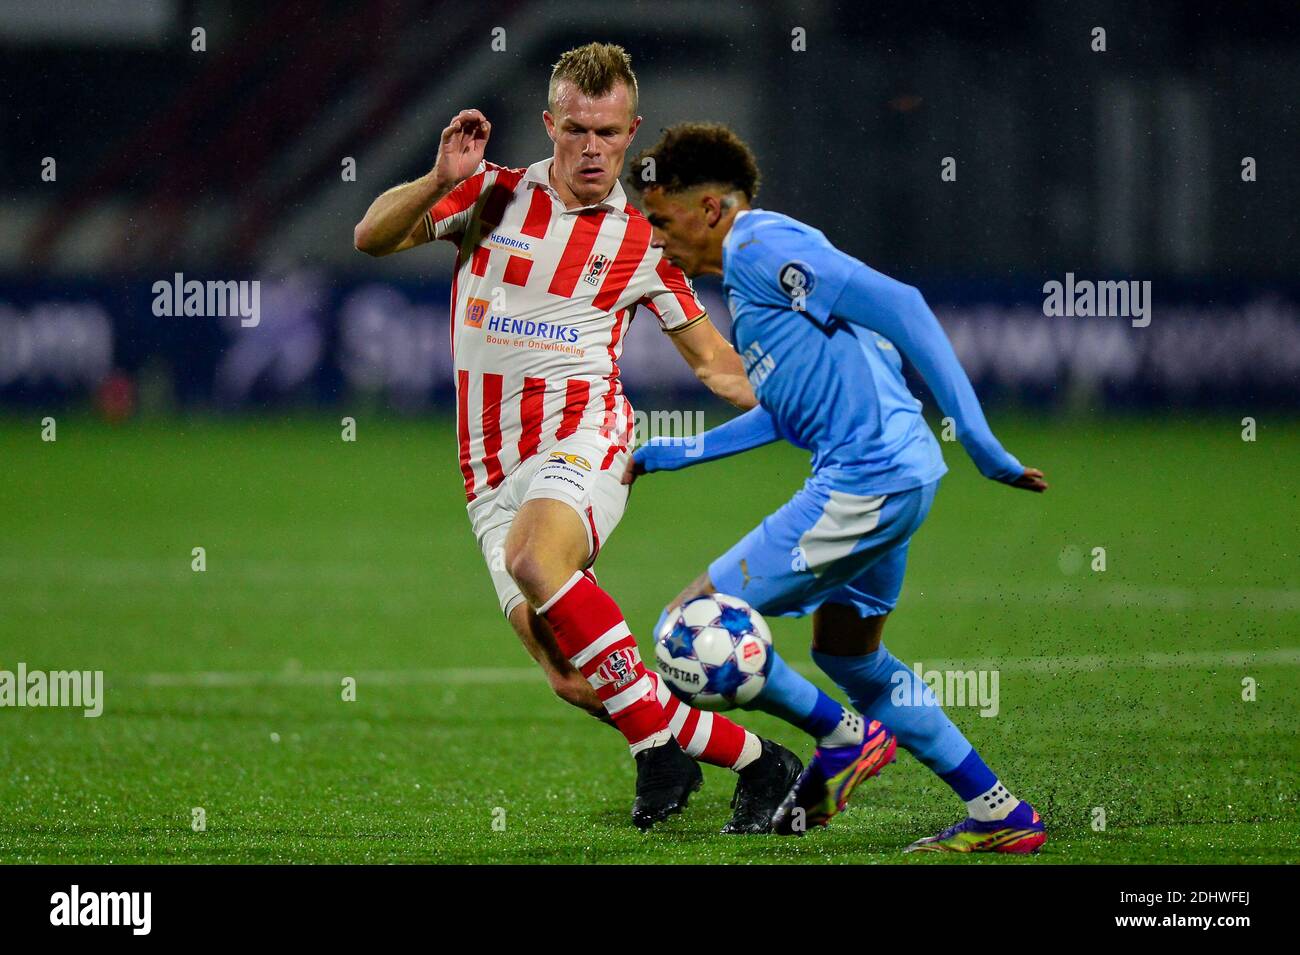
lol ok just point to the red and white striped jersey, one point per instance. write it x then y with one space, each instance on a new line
540 303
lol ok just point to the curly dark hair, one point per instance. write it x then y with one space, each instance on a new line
692 154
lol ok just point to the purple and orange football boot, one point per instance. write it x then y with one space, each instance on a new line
823 789
1020 832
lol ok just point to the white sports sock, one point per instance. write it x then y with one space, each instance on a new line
993 805
651 741
752 749
847 733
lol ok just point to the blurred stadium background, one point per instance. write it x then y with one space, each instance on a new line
227 164
327 559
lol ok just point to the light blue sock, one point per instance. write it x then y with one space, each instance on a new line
795 699
874 681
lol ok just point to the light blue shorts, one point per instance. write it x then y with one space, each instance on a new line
826 546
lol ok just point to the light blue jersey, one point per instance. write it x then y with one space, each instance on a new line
817 331
821 334
833 388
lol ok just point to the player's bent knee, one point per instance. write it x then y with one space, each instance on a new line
525 566
544 548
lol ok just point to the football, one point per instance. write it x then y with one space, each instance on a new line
714 652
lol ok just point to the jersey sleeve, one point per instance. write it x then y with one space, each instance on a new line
787 267
752 429
671 298
451 215
899 312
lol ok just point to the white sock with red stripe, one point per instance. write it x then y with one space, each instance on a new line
709 737
590 630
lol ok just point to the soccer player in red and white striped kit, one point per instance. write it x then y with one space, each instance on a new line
552 262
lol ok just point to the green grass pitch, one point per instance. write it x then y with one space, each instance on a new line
1120 689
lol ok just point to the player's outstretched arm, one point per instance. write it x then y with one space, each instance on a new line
752 429
393 221
899 312
715 363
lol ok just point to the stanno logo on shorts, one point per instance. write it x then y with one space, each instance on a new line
596 267
476 310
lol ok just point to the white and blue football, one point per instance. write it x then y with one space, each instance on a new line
714 652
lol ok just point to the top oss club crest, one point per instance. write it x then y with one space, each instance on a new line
597 266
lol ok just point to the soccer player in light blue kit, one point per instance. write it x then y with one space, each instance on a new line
821 335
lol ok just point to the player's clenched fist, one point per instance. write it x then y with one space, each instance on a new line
461 148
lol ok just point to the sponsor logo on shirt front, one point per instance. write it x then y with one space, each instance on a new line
533 335
532 329
476 309
758 364
511 243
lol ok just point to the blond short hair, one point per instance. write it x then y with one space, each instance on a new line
595 69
